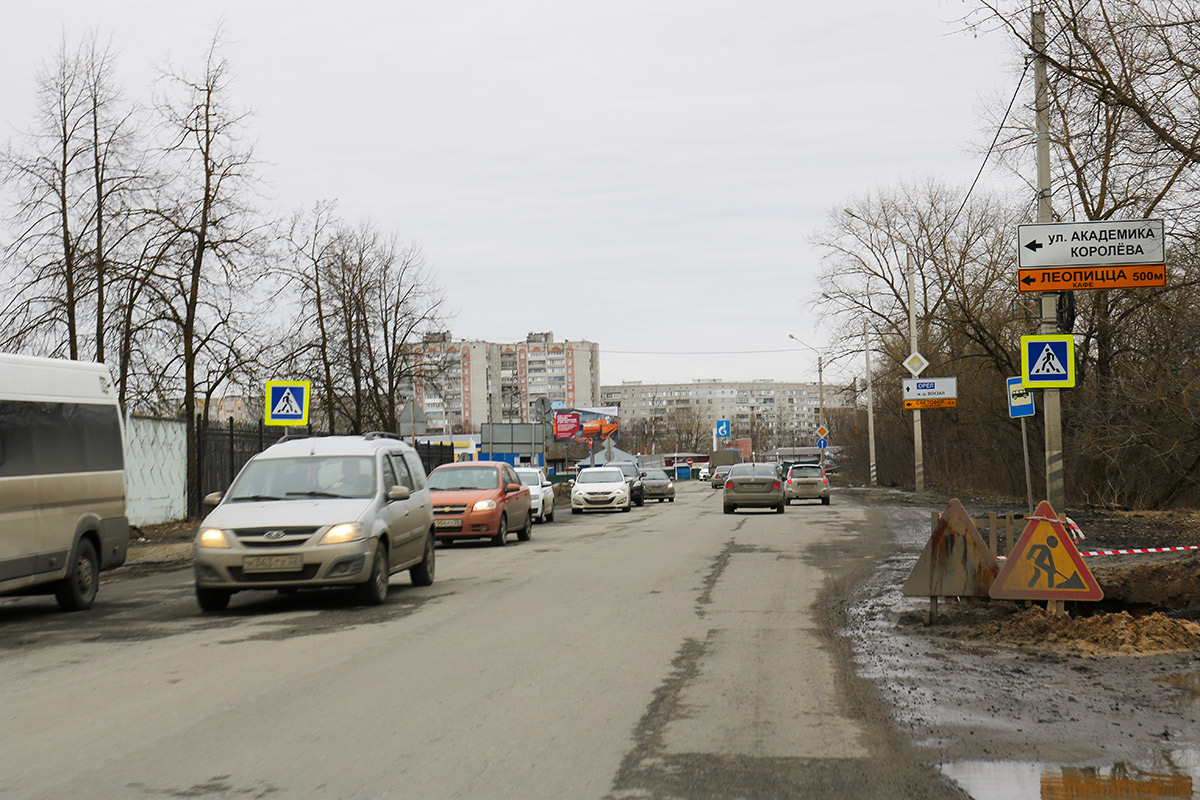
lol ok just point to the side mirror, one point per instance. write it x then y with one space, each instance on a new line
213 499
398 493
547 483
512 487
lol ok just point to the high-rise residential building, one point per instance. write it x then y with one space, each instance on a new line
466 383
762 407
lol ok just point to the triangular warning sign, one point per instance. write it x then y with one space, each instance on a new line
956 562
288 405
1044 564
1048 363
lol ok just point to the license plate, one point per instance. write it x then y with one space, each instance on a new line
273 563
448 524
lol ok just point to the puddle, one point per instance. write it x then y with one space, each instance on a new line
1173 775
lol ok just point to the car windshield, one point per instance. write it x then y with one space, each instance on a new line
305 477
656 475
629 470
452 478
600 476
529 478
757 470
806 472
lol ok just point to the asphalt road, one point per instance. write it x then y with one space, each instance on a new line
671 652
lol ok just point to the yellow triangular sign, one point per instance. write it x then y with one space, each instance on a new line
1044 564
956 562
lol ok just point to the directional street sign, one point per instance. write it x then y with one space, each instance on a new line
930 393
1048 361
822 443
1100 243
722 429
1020 399
916 364
1044 279
287 403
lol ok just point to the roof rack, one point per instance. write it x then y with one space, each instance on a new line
371 435
291 437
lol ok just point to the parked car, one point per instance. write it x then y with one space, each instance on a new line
754 485
806 482
62 479
633 475
314 512
704 474
599 488
718 478
480 500
657 485
541 493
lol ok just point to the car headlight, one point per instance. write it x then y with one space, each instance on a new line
484 505
340 534
213 537
670 485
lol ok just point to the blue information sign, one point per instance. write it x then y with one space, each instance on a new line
822 443
1048 361
1020 399
722 429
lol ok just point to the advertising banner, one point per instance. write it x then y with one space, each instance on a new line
566 425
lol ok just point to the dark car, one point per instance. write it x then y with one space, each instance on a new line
657 485
633 476
718 478
754 485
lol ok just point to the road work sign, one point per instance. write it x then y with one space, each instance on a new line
1100 243
1044 564
1048 361
956 562
287 402
1020 399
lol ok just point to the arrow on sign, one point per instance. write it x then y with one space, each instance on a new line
1035 245
1028 280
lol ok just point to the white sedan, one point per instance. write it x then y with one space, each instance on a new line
541 493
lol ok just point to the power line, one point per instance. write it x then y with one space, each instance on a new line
700 352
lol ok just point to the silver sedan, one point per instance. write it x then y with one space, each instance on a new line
757 485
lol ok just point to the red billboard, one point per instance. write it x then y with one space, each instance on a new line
566 424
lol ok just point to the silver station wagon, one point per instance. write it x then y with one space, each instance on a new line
318 511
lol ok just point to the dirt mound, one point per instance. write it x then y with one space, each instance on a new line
1100 634
1170 584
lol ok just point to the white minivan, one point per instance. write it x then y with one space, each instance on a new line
62 479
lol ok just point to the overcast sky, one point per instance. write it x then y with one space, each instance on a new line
644 174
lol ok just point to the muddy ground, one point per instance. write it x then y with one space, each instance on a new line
995 687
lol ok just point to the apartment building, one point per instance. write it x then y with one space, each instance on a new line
465 383
764 407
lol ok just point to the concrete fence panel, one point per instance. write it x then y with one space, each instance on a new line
156 470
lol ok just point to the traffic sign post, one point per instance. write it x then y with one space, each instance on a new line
287 403
930 393
1020 405
1048 361
1097 243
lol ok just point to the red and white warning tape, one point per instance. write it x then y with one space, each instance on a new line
1130 551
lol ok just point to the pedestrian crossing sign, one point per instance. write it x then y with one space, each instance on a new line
1048 361
287 403
1044 564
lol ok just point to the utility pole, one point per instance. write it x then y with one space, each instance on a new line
918 456
1055 483
870 405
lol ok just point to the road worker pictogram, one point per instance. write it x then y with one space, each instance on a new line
1044 564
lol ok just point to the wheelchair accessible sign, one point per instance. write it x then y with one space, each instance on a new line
287 403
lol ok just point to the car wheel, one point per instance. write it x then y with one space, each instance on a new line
824 501
672 499
526 533
729 509
422 574
501 537
627 507
641 502
212 599
550 516
77 591
779 508
374 591
576 510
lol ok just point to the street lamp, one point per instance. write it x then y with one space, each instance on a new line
820 387
918 457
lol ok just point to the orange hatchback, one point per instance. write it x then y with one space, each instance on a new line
479 500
